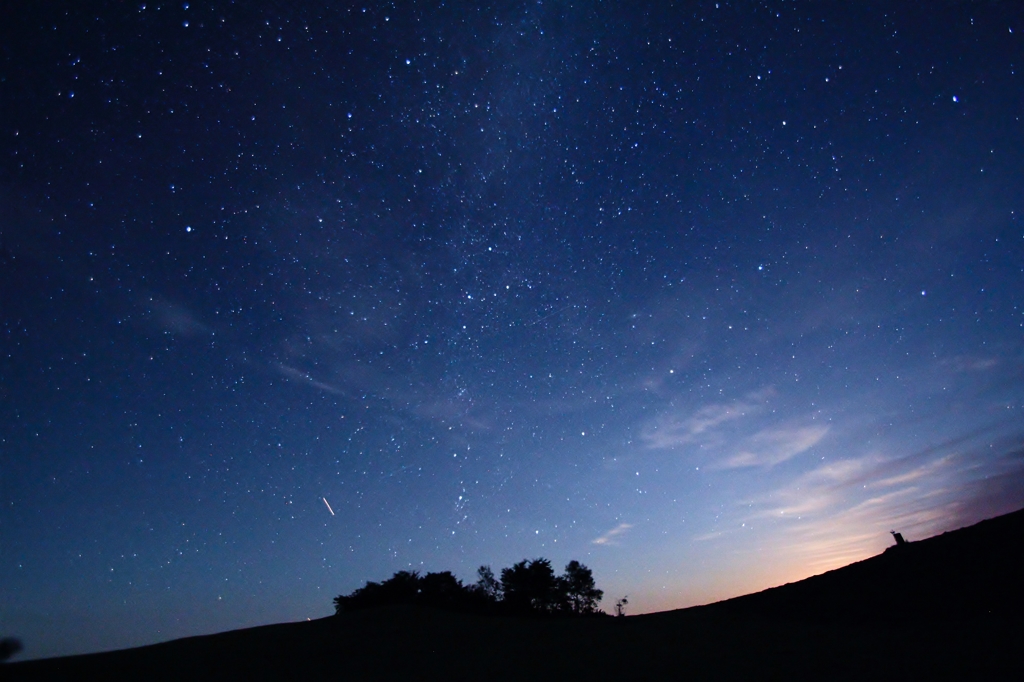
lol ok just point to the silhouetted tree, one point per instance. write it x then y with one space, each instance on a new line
487 584
581 594
441 589
528 586
531 586
401 588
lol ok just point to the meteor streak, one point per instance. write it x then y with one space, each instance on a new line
328 505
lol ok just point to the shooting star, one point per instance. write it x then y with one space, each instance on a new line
328 505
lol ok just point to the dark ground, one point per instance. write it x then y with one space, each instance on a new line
949 607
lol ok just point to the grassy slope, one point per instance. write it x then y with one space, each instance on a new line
947 606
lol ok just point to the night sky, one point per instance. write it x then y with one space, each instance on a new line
708 296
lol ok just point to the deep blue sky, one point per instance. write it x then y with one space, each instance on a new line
709 296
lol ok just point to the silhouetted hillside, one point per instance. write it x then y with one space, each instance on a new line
946 607
966 573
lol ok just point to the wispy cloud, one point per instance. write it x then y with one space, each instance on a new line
304 378
674 429
609 538
350 379
968 363
175 318
842 510
774 446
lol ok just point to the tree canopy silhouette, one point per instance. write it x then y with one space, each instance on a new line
487 584
532 586
529 586
581 592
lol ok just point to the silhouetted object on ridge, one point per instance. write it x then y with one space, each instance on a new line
900 545
967 573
